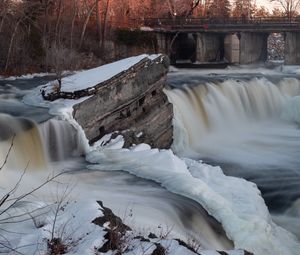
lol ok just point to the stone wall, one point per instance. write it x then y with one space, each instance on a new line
232 48
209 47
253 47
292 48
132 103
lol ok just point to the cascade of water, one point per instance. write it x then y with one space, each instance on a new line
235 119
22 135
60 140
250 128
34 145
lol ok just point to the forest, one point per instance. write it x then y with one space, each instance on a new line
52 35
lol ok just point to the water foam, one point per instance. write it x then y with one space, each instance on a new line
236 121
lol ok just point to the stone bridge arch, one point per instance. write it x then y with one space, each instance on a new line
234 47
183 47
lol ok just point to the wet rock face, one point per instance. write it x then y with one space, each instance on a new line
132 103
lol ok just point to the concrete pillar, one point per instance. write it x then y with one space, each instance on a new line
292 48
209 47
163 43
253 47
232 48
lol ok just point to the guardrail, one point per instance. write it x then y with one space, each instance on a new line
181 22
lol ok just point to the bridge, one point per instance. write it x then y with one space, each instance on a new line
236 40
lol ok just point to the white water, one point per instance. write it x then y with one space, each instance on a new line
153 208
237 121
60 140
22 135
237 204
252 129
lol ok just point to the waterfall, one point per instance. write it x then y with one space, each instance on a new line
60 140
34 145
23 137
235 120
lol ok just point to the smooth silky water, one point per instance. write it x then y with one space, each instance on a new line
241 122
41 143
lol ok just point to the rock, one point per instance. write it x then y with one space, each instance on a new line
121 239
159 250
152 236
132 103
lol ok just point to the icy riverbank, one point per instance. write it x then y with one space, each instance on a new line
234 202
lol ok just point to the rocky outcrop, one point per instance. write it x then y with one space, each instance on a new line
121 239
132 103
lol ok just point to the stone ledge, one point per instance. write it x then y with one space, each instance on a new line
132 101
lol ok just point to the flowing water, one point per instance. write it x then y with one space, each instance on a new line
38 142
241 122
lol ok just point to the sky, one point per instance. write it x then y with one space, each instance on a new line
270 6
266 3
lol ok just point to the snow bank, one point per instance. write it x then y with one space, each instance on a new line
236 203
64 107
26 76
99 74
79 81
244 70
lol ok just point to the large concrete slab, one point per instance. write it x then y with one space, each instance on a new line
292 48
253 48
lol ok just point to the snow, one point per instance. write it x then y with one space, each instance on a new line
63 108
241 69
26 76
34 227
79 81
146 29
236 203
107 142
74 222
100 74
30 76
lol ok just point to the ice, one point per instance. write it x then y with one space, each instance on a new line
26 76
236 203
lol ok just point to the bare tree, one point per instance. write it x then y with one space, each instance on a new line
193 5
87 18
98 21
61 59
75 10
243 9
19 15
104 25
4 8
11 199
59 14
182 8
219 8
290 7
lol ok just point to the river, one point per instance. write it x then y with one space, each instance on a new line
231 118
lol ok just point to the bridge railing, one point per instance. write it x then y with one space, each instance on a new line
181 22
